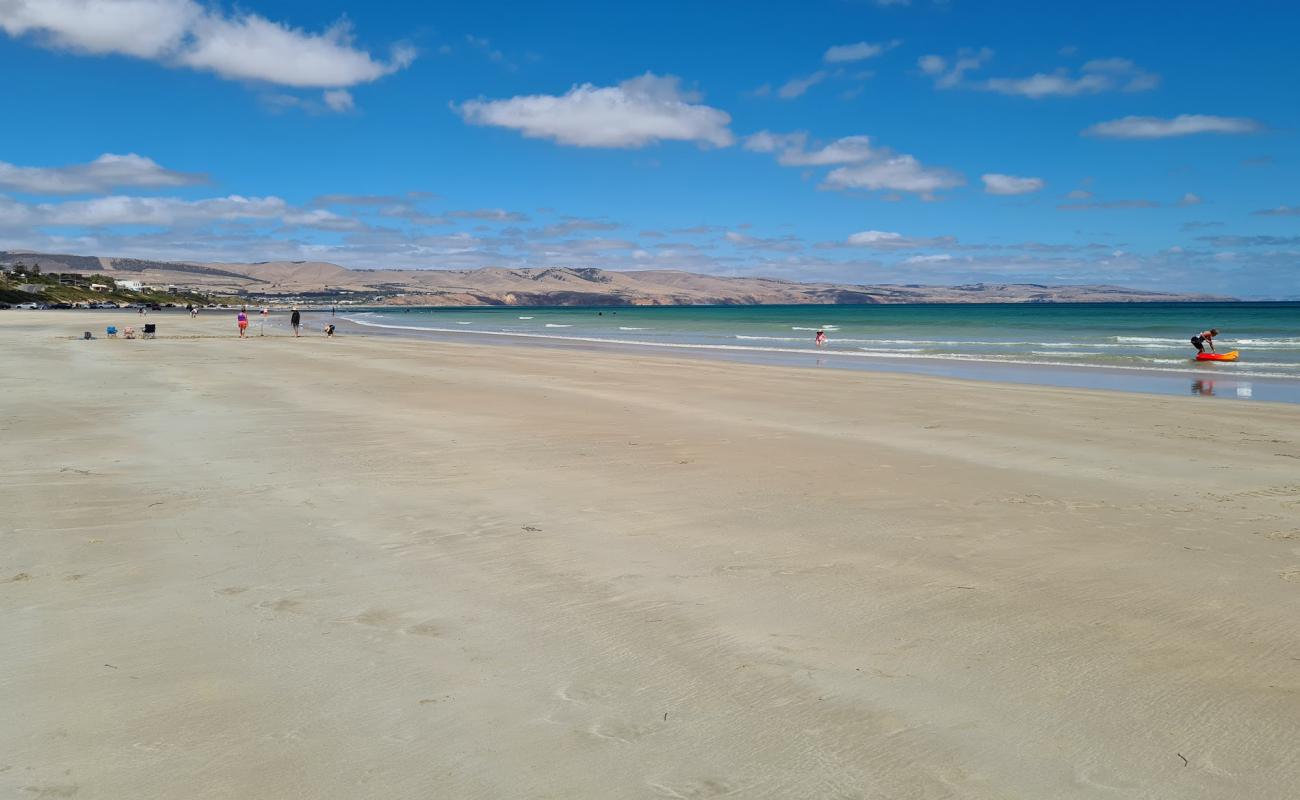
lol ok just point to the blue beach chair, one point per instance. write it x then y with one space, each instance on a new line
112 331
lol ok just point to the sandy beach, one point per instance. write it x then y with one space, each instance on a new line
367 567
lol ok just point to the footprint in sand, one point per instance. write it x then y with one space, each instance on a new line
624 732
1292 575
691 789
282 604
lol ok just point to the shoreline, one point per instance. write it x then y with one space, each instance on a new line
1198 380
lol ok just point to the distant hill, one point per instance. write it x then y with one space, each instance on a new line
563 286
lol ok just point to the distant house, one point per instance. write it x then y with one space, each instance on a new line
130 286
72 279
99 287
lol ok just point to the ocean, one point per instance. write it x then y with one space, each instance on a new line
1126 346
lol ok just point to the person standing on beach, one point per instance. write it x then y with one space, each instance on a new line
295 319
1203 338
242 319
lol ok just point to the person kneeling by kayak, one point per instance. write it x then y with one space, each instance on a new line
1203 338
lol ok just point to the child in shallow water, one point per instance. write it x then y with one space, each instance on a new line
820 338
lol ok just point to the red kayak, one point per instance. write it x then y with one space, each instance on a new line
1231 355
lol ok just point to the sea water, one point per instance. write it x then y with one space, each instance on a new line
1134 346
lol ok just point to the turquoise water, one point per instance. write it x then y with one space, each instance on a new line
1140 346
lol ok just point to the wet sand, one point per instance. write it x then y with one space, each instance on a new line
369 567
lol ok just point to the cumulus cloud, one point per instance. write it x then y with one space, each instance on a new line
995 183
109 171
1190 199
899 173
858 51
796 87
637 112
241 46
859 164
791 149
1181 125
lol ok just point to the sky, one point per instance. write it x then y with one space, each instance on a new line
1151 145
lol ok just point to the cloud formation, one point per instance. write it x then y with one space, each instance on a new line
899 173
995 183
859 164
238 46
858 51
889 240
796 87
947 73
167 212
1181 125
791 149
108 172
1094 77
635 113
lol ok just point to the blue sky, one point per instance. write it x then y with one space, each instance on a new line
1151 145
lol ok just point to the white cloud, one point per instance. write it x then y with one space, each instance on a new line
792 151
995 183
860 165
640 111
899 173
857 51
937 258
243 46
1079 194
166 212
1094 77
140 28
1190 199
250 47
795 87
339 100
876 239
889 240
107 172
949 75
1181 125
1043 85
